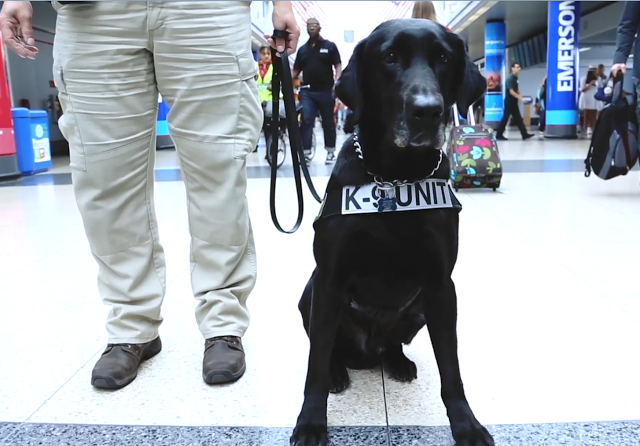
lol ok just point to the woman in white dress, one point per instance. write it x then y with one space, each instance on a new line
588 102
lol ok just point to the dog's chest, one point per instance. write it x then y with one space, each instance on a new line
382 297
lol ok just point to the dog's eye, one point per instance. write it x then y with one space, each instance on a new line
391 58
444 58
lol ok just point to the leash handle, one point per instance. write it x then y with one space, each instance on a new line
282 80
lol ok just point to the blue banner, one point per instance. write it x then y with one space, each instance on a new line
494 70
562 66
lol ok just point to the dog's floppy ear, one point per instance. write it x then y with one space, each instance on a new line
349 85
470 85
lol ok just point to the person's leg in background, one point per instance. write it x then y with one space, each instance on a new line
206 74
341 115
519 122
506 114
587 123
104 72
309 113
325 102
542 124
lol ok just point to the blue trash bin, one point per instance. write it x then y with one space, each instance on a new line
163 140
33 150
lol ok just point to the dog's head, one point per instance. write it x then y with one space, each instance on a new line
401 83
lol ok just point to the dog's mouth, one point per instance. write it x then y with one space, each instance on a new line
425 139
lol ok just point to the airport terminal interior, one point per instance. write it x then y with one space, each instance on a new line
546 278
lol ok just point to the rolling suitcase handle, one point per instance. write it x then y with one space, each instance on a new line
470 116
282 80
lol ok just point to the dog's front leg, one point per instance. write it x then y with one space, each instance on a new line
311 427
440 304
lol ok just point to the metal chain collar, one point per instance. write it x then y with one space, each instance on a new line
389 186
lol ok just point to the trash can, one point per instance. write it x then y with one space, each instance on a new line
32 140
163 140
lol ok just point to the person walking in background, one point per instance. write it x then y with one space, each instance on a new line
109 69
263 77
601 84
316 60
511 107
265 74
542 112
425 10
588 102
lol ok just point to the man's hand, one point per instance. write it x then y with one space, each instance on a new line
283 19
17 31
619 67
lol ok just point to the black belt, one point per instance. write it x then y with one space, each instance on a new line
282 75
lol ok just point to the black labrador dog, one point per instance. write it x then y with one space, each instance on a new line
383 274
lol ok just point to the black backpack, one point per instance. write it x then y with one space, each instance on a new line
614 145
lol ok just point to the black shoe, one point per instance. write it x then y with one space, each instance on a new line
501 138
527 136
119 363
223 360
331 158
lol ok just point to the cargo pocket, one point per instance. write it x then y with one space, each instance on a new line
250 116
68 124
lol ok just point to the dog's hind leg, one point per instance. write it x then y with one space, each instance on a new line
440 307
397 365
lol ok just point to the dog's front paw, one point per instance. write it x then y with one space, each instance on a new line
311 434
401 368
471 433
340 380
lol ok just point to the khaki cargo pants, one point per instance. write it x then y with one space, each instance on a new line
111 59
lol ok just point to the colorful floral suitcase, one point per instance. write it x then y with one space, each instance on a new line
473 155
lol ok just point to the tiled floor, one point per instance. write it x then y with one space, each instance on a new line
549 321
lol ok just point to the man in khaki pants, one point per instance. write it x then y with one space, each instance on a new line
111 59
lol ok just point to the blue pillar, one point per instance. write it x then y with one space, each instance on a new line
495 53
562 69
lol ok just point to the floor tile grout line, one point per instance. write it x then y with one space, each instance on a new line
19 424
386 408
566 267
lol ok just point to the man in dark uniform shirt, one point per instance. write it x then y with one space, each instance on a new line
316 59
511 108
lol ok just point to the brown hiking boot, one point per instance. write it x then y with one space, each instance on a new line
119 363
223 360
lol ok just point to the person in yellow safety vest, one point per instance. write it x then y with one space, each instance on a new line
265 74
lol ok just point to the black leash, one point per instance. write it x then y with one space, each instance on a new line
282 78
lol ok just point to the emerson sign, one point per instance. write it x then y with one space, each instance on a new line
567 46
562 62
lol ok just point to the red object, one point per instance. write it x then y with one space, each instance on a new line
7 139
52 84
264 67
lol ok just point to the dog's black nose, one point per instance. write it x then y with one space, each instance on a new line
426 107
